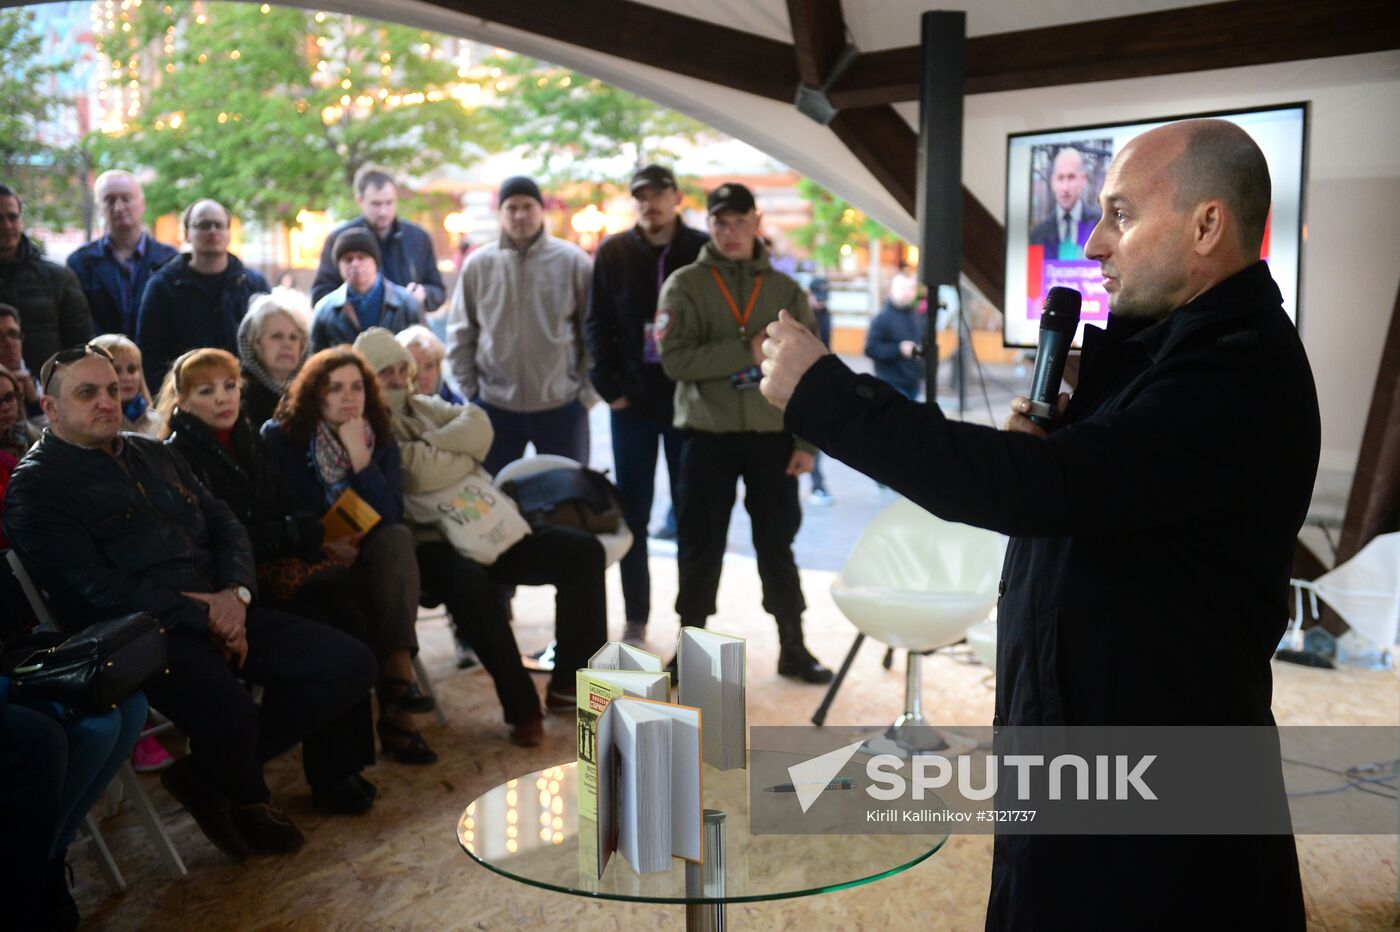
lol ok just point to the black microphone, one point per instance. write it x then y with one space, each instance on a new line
1058 321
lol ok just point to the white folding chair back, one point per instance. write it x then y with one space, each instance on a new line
1364 591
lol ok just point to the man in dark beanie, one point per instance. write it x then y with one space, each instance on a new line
365 299
515 338
405 249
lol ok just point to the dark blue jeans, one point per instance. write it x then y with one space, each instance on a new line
97 745
634 442
563 431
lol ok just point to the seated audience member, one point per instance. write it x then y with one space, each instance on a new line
139 415
331 433
57 764
12 358
367 299
200 405
50 777
428 354
272 346
442 444
135 531
196 299
16 434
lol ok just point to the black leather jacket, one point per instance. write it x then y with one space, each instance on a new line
110 534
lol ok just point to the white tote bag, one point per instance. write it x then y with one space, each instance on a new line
477 519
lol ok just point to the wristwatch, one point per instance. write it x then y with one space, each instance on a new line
243 593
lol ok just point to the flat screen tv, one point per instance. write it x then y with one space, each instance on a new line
1053 179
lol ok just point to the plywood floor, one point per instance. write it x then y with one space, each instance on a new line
400 867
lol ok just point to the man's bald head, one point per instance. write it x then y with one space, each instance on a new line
122 202
1220 160
1067 177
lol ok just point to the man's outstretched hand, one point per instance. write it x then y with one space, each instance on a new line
791 349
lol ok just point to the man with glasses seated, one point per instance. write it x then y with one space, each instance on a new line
198 299
111 523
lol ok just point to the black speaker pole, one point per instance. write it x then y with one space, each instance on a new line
941 72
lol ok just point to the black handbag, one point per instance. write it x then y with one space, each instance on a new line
96 669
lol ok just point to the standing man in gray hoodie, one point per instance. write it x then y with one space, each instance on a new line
515 333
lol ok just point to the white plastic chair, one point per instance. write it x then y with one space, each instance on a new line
1364 591
615 545
917 582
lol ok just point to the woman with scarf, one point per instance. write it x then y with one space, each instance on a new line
272 346
331 434
138 413
297 572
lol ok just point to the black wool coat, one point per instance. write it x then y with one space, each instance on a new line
1169 497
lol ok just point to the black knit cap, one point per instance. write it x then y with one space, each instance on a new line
357 239
519 184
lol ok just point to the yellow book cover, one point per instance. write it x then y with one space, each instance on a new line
349 515
594 694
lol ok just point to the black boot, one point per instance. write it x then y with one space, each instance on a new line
58 902
793 660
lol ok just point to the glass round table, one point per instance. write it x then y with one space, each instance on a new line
529 830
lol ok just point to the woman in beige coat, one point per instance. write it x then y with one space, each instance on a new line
442 444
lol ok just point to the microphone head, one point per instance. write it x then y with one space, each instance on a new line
1061 310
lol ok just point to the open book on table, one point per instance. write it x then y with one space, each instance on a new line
596 688
712 675
649 784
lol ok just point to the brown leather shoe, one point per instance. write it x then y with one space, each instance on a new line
211 809
267 828
529 733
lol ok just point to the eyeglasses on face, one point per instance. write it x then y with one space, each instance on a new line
204 226
70 355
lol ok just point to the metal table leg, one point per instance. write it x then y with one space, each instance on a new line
707 879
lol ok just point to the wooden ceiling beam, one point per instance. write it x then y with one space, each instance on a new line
652 36
1177 41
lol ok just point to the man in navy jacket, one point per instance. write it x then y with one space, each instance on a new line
113 270
197 300
1170 490
405 249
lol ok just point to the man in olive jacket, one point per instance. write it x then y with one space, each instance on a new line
1168 492
709 327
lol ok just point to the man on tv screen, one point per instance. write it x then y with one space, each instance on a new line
1064 233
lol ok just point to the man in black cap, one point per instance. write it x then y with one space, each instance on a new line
515 338
628 271
365 299
709 327
405 249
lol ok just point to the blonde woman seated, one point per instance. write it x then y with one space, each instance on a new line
442 445
428 353
139 413
331 433
272 347
16 434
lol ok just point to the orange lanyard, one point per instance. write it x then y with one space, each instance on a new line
743 321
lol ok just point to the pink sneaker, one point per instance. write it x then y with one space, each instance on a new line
149 756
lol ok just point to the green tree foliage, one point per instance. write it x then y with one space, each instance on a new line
571 123
271 109
36 159
834 224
